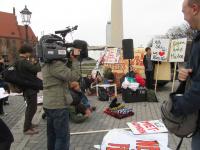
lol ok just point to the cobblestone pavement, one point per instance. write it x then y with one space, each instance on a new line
15 110
99 121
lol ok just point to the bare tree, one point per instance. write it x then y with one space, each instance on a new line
182 31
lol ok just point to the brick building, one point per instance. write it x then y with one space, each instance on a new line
12 36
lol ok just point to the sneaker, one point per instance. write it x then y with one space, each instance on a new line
31 132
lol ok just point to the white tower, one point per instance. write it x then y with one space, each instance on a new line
116 23
108 33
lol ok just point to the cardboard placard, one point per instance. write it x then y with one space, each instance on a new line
112 55
137 63
147 127
177 50
160 48
164 72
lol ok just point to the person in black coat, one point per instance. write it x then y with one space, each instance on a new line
3 66
6 137
28 67
149 68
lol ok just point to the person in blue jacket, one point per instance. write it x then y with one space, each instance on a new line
190 101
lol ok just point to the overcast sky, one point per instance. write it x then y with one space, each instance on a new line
142 18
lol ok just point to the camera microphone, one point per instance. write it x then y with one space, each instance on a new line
63 31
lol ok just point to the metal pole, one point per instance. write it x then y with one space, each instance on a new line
129 68
26 30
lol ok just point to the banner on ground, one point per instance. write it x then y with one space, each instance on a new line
147 127
177 50
117 139
160 49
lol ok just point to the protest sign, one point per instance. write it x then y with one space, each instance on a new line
112 55
147 127
124 140
122 66
160 49
177 50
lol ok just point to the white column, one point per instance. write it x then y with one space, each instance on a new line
116 23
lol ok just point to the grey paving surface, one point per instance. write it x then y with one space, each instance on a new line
99 121
15 110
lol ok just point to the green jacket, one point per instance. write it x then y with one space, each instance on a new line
56 77
74 117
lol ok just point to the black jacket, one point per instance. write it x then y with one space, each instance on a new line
6 135
27 69
190 101
146 63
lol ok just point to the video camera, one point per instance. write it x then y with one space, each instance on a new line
53 47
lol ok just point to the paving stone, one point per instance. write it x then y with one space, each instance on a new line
99 121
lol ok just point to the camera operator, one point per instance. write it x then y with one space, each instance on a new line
56 99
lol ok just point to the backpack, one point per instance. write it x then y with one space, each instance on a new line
21 81
103 94
182 126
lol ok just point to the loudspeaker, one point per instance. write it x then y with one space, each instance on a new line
127 46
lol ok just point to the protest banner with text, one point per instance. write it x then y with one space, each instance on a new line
177 50
160 49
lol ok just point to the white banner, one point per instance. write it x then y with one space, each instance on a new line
117 139
147 127
112 55
177 50
160 49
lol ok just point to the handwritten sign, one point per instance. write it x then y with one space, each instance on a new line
177 50
137 63
147 127
160 49
124 140
112 55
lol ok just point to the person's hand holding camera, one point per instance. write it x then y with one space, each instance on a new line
75 53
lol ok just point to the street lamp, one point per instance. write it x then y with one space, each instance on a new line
26 16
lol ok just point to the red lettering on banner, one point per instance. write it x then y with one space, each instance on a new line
149 126
120 67
147 145
136 60
139 128
112 146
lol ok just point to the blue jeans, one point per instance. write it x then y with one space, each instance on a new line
196 141
58 136
85 101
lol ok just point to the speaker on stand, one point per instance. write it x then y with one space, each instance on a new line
128 53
